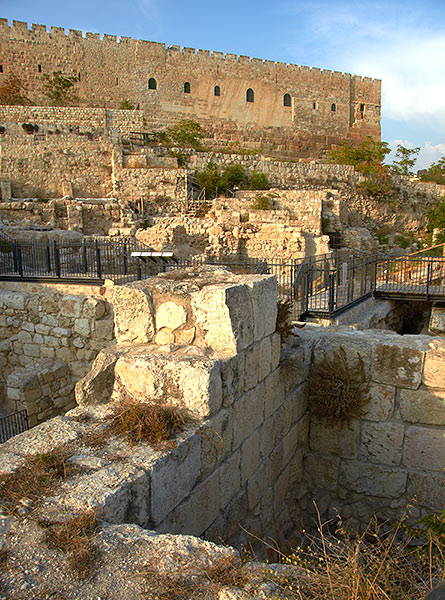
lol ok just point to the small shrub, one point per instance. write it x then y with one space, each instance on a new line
30 128
262 202
58 88
152 423
284 319
75 537
338 393
259 181
126 105
180 157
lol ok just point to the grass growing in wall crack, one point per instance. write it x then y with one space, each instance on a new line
337 392
149 422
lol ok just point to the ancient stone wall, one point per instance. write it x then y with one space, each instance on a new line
168 84
49 324
391 460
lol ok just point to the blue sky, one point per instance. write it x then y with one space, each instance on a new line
401 42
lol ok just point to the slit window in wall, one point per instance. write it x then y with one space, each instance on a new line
39 68
333 107
314 105
1 68
250 96
187 88
152 85
362 110
287 100
217 90
117 80
78 77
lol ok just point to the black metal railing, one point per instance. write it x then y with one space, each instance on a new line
328 285
11 425
90 259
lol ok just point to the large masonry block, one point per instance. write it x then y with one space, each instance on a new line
398 365
425 448
423 406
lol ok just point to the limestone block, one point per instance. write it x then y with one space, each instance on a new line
24 337
250 456
42 329
425 448
283 419
14 300
186 336
229 478
225 314
274 392
32 350
423 406
356 348
297 437
275 351
428 489
171 315
264 304
193 383
174 476
322 470
251 366
382 443
256 484
280 491
104 329
267 436
381 402
232 375
398 365
133 315
434 370
374 480
71 306
343 441
295 363
248 414
164 336
49 304
82 327
94 308
264 366
216 440
97 386
61 332
297 398
437 320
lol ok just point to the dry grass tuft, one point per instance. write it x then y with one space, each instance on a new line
41 475
284 319
201 583
337 393
152 423
376 565
76 538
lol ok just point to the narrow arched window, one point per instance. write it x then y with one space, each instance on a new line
362 110
314 105
152 85
250 96
217 91
287 100
186 88
333 107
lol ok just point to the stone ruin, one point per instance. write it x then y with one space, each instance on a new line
253 460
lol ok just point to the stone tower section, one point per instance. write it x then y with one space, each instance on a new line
290 109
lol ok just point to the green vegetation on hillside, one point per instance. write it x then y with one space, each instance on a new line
59 88
435 173
232 176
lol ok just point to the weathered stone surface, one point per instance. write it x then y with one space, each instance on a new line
357 350
165 336
191 382
248 415
343 441
71 306
229 478
434 370
437 320
398 365
15 300
264 304
382 443
133 314
170 314
381 402
374 480
423 406
225 314
264 366
322 470
251 362
97 386
427 489
250 455
425 448
232 374
186 336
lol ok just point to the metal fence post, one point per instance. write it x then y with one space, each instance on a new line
331 297
98 262
56 258
84 258
20 261
48 258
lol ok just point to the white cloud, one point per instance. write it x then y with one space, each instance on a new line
430 153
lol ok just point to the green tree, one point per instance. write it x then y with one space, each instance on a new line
187 133
58 88
233 176
367 157
208 179
126 105
436 218
405 160
435 173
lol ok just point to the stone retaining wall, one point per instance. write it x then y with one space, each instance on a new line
44 389
392 459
